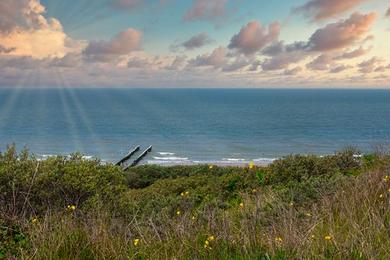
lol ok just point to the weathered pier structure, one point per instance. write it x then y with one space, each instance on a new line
123 161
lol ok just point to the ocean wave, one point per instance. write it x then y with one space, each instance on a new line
234 159
172 158
166 153
270 160
47 155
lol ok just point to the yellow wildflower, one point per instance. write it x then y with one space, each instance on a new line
206 242
291 204
71 207
388 190
136 242
178 212
279 239
242 205
193 218
308 214
386 178
328 237
313 236
211 238
251 165
182 194
211 166
381 196
254 191
187 193
34 220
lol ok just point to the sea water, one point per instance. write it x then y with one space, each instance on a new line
229 126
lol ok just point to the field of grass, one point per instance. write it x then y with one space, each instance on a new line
299 207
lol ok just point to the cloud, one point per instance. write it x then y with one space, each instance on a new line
253 37
342 33
177 64
121 44
70 60
293 71
24 63
322 9
197 41
217 59
238 64
340 68
282 55
6 50
388 13
370 65
138 63
281 61
332 37
22 14
353 54
27 32
206 10
143 60
322 62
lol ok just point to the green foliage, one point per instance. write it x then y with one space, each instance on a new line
173 210
34 186
11 239
300 168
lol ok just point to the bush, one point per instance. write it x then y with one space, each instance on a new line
29 186
300 168
172 211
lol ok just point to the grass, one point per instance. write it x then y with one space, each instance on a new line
298 207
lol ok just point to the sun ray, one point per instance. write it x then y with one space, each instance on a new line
74 137
10 102
81 111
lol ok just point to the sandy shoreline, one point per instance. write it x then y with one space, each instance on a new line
214 163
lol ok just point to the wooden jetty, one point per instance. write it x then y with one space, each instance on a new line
139 159
128 156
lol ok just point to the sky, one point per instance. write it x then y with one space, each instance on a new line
195 43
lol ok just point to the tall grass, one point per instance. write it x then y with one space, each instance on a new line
326 210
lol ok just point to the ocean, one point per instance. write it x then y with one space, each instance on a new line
194 125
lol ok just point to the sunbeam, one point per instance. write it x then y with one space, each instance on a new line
72 130
9 104
85 120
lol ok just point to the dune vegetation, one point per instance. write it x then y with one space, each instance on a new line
305 207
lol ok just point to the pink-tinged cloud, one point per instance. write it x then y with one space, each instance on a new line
342 33
4 50
123 43
23 14
388 12
206 10
25 31
197 41
323 9
353 54
217 59
253 37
